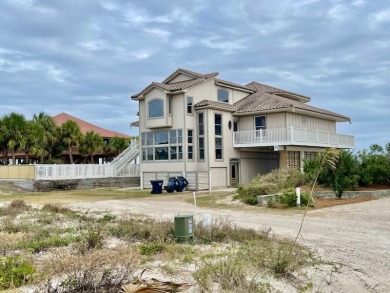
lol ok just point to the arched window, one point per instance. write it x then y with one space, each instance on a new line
223 95
156 108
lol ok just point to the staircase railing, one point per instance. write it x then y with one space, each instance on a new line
126 157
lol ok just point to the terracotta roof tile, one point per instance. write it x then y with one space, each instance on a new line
259 87
244 87
261 101
215 104
190 73
175 86
86 126
262 98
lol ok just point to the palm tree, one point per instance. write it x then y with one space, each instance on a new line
91 144
71 135
13 129
51 133
119 144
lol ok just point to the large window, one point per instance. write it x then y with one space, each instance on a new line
218 136
223 95
156 108
200 137
190 102
162 145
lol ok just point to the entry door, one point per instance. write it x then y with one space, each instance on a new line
234 174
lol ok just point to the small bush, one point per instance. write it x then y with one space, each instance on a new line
93 238
16 207
55 208
251 200
228 273
151 248
106 218
289 198
15 272
274 182
99 271
141 230
223 230
278 257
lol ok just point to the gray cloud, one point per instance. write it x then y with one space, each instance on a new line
87 57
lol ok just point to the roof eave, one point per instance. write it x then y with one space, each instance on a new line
299 98
335 117
233 87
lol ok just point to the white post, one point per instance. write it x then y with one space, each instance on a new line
210 181
298 192
291 133
141 180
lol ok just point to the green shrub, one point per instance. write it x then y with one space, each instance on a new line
274 182
151 248
106 218
93 238
340 175
374 167
252 200
15 272
289 198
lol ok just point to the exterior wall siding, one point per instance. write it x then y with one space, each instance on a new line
312 123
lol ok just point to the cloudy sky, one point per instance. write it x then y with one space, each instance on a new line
87 57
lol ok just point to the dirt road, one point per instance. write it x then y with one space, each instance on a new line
355 235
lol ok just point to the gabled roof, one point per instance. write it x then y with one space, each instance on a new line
233 84
189 73
215 105
261 101
259 87
260 97
176 86
85 126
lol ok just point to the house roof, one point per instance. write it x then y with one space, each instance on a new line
189 73
233 84
260 97
259 87
176 86
85 126
215 105
261 101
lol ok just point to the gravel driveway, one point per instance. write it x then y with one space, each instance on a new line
356 235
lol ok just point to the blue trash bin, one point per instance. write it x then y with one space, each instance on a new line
156 186
181 183
172 184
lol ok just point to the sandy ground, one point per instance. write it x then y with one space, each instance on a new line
357 235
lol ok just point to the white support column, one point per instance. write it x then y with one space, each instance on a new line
291 133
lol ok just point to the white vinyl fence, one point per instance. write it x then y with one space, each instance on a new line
80 171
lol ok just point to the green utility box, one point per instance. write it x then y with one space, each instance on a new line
184 228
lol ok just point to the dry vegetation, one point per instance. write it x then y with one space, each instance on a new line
55 249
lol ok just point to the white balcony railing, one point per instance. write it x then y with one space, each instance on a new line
292 136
